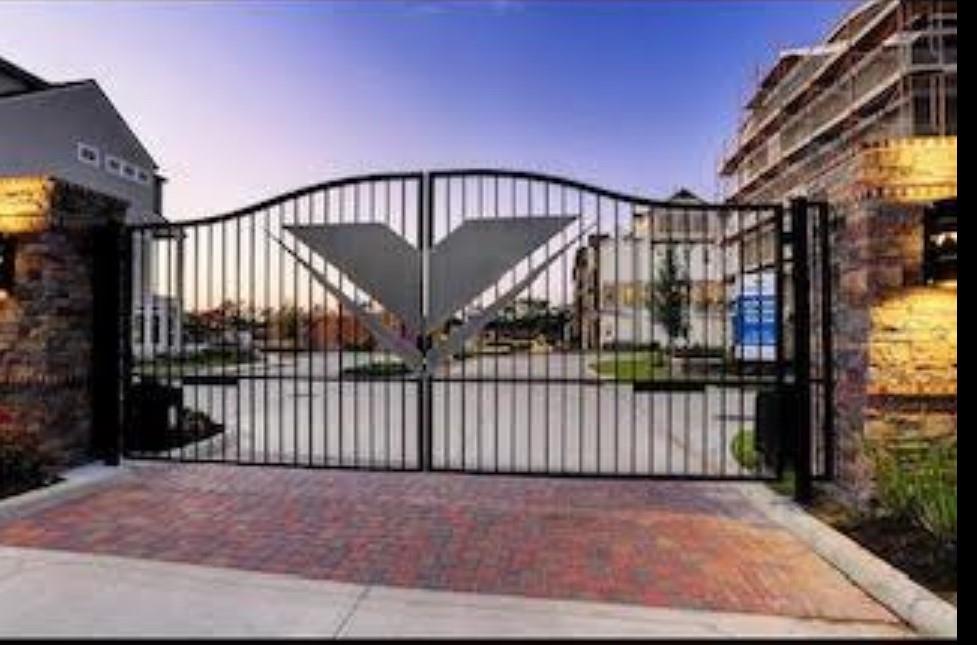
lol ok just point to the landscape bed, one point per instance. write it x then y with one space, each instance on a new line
890 528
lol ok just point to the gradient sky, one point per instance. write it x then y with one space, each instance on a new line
239 101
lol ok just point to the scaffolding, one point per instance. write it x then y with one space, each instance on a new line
888 71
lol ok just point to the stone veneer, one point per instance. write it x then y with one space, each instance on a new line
895 339
46 320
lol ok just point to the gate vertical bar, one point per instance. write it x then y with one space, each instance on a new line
827 318
779 329
425 387
802 347
127 312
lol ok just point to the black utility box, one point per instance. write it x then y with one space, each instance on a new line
154 410
776 424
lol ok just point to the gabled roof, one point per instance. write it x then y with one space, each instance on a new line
37 88
686 195
118 116
30 82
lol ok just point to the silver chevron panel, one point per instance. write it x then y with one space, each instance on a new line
479 252
457 339
410 354
375 258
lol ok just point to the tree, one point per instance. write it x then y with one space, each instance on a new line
286 321
669 298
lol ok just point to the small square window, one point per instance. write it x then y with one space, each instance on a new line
113 165
88 154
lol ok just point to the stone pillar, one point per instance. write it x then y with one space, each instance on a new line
895 339
46 318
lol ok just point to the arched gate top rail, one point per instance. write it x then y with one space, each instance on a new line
458 173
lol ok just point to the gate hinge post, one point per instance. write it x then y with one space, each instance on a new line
800 271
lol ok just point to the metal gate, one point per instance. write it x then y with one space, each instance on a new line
479 321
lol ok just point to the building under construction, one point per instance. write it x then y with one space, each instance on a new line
867 122
887 71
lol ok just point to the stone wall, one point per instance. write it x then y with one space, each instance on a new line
895 340
46 319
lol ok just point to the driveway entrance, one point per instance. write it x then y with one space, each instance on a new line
691 545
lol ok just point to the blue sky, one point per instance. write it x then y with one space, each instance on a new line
241 100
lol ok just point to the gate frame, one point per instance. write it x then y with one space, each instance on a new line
121 362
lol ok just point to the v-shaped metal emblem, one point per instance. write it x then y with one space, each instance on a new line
463 265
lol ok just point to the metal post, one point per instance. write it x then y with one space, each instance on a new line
126 316
425 389
779 332
802 347
108 341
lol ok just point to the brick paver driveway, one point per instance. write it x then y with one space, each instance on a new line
675 544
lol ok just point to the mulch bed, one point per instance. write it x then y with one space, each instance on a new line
12 489
902 544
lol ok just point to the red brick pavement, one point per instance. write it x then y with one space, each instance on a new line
675 544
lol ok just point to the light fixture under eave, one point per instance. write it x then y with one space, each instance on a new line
940 242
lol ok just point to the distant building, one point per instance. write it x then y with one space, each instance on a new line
72 131
614 277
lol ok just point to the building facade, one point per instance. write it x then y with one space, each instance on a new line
73 132
615 275
867 121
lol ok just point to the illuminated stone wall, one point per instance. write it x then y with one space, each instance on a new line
46 319
895 339
913 344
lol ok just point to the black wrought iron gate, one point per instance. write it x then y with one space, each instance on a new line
481 321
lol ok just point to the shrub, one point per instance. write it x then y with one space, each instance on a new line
24 462
918 482
744 449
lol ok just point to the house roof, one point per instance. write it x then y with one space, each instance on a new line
685 195
38 87
30 82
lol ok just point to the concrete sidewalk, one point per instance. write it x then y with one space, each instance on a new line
55 593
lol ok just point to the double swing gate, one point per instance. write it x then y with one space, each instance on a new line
482 321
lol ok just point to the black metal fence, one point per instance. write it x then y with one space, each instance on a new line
475 321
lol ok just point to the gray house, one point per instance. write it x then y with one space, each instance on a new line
72 131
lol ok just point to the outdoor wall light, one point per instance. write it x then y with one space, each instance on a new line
8 249
940 242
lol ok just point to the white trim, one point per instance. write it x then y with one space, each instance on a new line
81 148
119 163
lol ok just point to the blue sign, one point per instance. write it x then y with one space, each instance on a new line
755 320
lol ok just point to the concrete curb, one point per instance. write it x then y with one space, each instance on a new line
923 610
75 483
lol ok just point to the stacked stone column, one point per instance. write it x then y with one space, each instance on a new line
46 318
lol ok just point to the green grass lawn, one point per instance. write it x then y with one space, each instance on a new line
640 366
